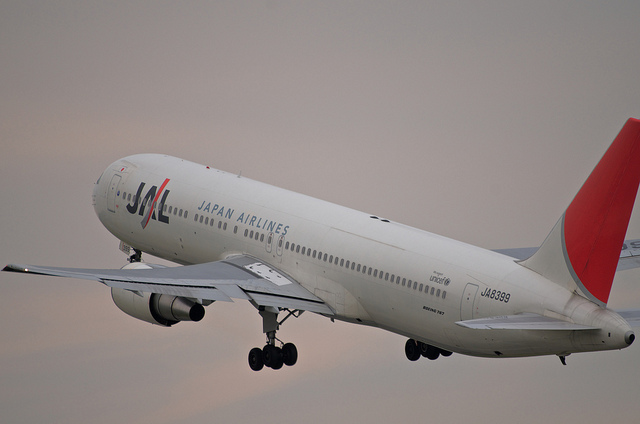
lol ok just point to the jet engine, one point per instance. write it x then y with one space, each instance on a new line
159 309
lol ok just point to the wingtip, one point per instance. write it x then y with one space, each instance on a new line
15 268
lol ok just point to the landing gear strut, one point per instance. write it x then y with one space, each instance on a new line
136 257
271 355
415 349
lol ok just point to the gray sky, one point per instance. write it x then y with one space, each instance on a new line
475 120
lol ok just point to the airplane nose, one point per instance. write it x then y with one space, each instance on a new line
629 337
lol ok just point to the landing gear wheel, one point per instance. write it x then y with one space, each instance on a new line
445 353
272 357
432 352
412 350
289 354
255 359
423 348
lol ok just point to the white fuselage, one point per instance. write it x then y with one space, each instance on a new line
367 269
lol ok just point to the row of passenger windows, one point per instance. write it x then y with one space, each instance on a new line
210 221
222 225
364 269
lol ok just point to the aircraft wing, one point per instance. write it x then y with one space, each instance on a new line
522 322
629 256
241 277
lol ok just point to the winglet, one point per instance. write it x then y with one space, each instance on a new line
582 251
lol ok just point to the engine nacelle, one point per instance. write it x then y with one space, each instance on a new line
160 309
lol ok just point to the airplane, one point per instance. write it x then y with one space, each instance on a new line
287 253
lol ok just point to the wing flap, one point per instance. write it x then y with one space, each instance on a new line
522 322
290 303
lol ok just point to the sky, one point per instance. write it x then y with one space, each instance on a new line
478 121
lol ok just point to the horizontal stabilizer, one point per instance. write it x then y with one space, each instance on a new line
629 256
522 322
632 316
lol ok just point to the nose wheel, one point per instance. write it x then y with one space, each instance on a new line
271 355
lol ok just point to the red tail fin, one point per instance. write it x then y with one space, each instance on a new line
592 229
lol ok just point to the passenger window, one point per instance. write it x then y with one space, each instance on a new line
341 262
211 223
206 221
201 218
170 209
386 277
180 214
309 252
314 254
235 231
375 272
298 249
432 290
324 258
251 234
415 285
404 281
257 233
331 259
261 238
246 232
129 196
370 270
420 288
438 293
353 266
304 250
224 226
444 294
186 213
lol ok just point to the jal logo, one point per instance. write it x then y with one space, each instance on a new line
146 205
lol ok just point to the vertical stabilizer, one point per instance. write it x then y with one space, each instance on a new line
582 251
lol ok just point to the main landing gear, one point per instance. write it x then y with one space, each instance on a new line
136 257
271 355
415 349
